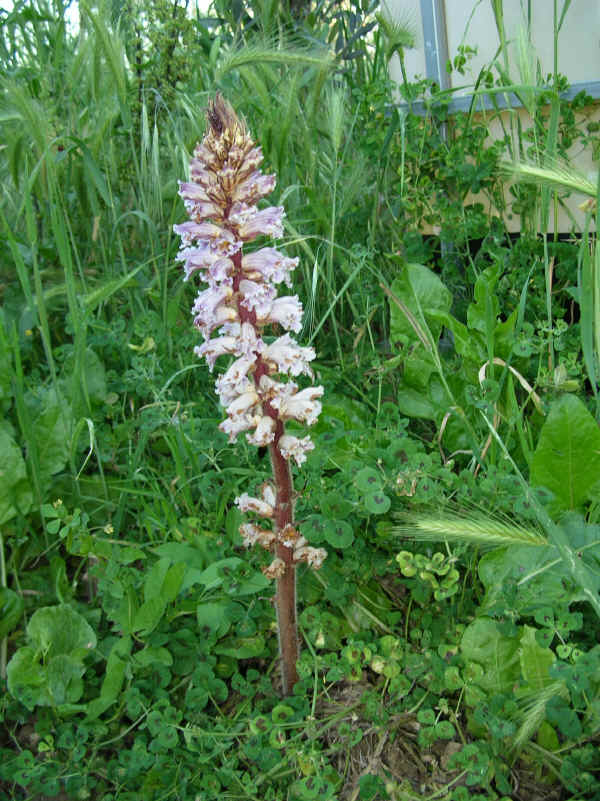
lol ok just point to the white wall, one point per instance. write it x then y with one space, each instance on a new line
471 22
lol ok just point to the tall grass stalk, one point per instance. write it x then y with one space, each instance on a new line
473 529
562 176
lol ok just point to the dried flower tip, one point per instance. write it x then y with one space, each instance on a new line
314 557
289 536
221 117
246 503
253 535
275 570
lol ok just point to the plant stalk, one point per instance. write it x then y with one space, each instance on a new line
285 595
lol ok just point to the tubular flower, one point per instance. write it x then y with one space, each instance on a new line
234 313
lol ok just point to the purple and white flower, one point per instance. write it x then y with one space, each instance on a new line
287 311
270 265
239 303
288 356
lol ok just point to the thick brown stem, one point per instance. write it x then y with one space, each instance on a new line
285 596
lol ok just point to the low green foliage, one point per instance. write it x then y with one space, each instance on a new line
450 643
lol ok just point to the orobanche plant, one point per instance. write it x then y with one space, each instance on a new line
241 305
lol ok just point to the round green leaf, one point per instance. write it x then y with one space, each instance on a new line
311 787
334 505
445 730
339 534
368 480
314 528
377 503
213 618
281 713
277 738
260 725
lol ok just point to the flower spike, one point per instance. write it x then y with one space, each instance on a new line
234 312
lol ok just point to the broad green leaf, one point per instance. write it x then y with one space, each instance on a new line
482 313
154 579
423 295
15 492
418 369
351 413
26 679
241 647
180 552
52 429
523 567
535 661
114 676
465 343
561 714
335 505
94 374
126 613
63 676
193 558
148 616
11 609
212 577
48 672
60 629
496 655
172 582
314 528
153 656
413 403
567 458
